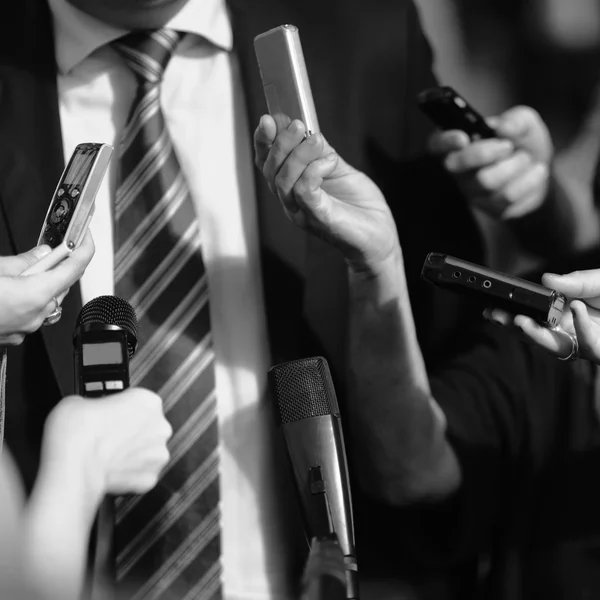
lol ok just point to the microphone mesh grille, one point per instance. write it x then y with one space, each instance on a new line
302 389
111 310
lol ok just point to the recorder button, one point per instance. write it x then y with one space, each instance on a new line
520 295
114 385
94 386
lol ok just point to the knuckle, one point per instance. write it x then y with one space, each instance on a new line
279 182
144 483
277 149
35 323
15 339
150 480
301 186
523 158
527 112
453 162
163 456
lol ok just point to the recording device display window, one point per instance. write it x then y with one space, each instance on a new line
60 216
106 353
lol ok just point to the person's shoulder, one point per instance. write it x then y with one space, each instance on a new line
26 31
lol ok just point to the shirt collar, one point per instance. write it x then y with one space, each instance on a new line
77 34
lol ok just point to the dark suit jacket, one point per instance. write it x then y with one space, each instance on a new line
366 67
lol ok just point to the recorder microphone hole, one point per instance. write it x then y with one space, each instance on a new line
487 284
456 274
472 279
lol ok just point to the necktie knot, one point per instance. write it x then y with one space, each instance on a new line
147 53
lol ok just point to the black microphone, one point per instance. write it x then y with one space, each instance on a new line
309 417
104 340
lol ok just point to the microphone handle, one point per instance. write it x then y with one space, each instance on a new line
103 553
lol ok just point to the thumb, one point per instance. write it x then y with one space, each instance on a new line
36 253
32 256
15 265
515 123
578 284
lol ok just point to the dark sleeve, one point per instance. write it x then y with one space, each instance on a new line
504 402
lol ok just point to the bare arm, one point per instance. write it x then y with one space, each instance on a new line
398 429
403 454
57 525
91 448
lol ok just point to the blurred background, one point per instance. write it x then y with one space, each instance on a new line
542 53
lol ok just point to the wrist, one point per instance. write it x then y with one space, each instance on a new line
378 284
65 483
365 268
68 468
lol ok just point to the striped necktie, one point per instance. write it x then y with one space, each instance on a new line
167 541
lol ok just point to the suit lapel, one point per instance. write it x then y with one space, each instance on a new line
278 234
31 158
325 290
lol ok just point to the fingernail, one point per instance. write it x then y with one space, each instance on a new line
295 126
449 162
460 139
505 145
312 139
331 156
42 251
261 122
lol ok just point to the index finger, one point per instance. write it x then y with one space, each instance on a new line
578 284
480 153
516 122
444 142
263 139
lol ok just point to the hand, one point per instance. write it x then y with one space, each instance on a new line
321 193
506 177
116 444
27 300
581 317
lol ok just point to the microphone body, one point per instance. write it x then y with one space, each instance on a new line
310 421
104 340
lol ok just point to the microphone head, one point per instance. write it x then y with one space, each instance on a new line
111 310
303 389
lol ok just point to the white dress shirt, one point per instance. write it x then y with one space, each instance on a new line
203 104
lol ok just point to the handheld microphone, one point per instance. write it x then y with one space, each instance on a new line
309 417
105 338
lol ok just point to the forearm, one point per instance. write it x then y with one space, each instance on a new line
58 521
403 454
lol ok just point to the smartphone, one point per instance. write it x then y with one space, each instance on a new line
448 110
72 205
499 290
284 76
